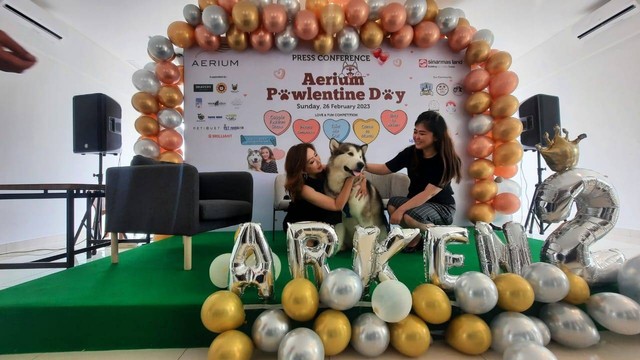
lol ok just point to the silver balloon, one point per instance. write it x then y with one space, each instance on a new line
480 124
287 41
364 252
261 3
629 278
341 289
616 312
544 330
310 243
447 19
370 335
192 14
250 241
374 8
437 260
569 325
292 7
160 48
301 344
509 328
215 19
549 283
528 351
146 147
348 40
151 66
597 208
146 81
269 329
169 118
416 10
483 35
475 293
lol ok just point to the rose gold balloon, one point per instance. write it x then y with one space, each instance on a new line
167 72
432 10
246 16
393 17
332 18
480 147
507 129
316 6
463 22
503 83
171 156
169 139
402 38
477 102
371 34
305 25
356 12
498 62
204 3
504 106
506 172
205 39
274 17
237 39
476 80
170 96
261 40
426 34
227 5
181 34
481 169
481 212
147 126
509 153
477 52
506 203
460 38
484 190
323 43
145 103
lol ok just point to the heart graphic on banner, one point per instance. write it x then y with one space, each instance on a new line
394 121
277 121
366 130
279 74
306 130
336 129
278 153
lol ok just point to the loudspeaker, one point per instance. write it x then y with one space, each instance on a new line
96 124
539 114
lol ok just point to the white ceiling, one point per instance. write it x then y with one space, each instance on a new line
123 27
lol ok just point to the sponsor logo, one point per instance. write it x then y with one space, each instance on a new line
202 87
231 117
198 103
458 90
442 89
426 89
200 117
216 103
214 117
221 88
234 88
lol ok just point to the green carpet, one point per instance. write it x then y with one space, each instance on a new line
148 301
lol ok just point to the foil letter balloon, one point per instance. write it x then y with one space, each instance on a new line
310 243
495 255
250 241
597 211
437 260
396 240
364 252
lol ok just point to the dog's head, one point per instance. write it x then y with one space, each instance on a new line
347 157
253 157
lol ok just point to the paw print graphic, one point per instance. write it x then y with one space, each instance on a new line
284 94
387 94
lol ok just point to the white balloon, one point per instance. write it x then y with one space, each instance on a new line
480 124
391 301
169 118
146 147
549 283
219 271
508 186
528 350
483 34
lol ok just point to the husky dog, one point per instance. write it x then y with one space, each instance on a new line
253 158
348 160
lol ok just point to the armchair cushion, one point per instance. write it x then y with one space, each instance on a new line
222 209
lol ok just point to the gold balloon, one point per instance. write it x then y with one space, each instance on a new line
323 43
484 190
514 292
463 22
498 62
481 212
147 126
300 299
181 34
171 156
204 3
478 51
478 102
334 329
431 303
231 345
410 336
237 39
246 16
332 18
316 6
145 103
170 96
481 169
579 291
371 34
468 334
561 153
504 106
506 129
432 11
222 311
509 153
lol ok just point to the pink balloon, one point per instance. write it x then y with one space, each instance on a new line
305 25
356 12
167 72
170 139
426 34
261 40
393 17
480 147
274 18
460 38
476 80
503 83
205 39
506 203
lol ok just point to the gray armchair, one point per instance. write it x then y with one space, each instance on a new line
174 199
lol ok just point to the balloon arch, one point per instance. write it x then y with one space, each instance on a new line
343 25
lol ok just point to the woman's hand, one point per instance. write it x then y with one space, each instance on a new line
13 57
361 180
396 216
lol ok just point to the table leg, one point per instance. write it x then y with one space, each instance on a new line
70 229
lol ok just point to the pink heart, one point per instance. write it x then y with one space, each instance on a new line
306 130
278 153
394 121
279 74
277 121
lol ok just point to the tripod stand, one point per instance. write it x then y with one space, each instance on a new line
93 226
533 216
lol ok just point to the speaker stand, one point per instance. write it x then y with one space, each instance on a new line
93 224
533 216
